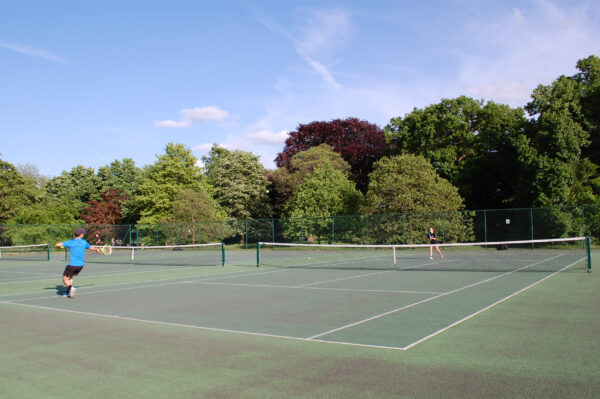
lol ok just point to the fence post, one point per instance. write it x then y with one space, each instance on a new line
531 223
333 229
485 225
403 217
443 227
583 220
367 227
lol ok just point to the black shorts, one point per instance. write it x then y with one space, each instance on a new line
434 241
71 271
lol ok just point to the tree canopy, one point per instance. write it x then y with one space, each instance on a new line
456 154
162 182
409 183
240 182
359 142
285 181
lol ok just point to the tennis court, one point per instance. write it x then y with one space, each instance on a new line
352 300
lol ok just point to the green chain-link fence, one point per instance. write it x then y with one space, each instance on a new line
402 228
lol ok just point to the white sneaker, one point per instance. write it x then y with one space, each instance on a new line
72 292
431 257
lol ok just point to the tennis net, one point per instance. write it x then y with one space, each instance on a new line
212 254
33 252
531 255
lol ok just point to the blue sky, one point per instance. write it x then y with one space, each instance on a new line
88 82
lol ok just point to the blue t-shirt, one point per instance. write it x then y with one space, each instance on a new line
77 247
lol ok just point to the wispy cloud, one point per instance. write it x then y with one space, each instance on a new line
33 52
320 34
506 56
191 115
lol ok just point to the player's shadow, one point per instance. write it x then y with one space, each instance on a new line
60 289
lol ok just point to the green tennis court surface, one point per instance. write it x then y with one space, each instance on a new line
241 331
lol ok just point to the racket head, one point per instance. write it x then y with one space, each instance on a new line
106 250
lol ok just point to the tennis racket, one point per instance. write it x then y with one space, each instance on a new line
106 249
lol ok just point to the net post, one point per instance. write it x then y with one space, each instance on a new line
395 261
588 243
222 254
257 253
48 252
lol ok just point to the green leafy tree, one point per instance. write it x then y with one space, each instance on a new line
470 143
194 218
443 133
17 192
240 182
491 174
31 171
551 150
286 180
589 81
408 184
325 193
359 142
125 177
163 181
75 187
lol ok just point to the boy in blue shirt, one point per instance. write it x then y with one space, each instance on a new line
77 247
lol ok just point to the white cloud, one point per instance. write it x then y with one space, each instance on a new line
33 52
269 137
204 114
203 147
170 123
198 114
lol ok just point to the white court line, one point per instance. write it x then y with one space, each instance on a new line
343 278
84 292
301 287
484 309
426 300
17 272
164 323
89 273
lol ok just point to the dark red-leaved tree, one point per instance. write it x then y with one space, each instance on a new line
360 143
106 211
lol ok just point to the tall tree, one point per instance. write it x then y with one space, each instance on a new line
125 177
17 192
409 184
76 187
240 182
326 192
551 150
443 133
162 182
589 81
360 143
468 142
491 174
285 181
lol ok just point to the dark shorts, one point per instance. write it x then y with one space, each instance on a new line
71 271
434 241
